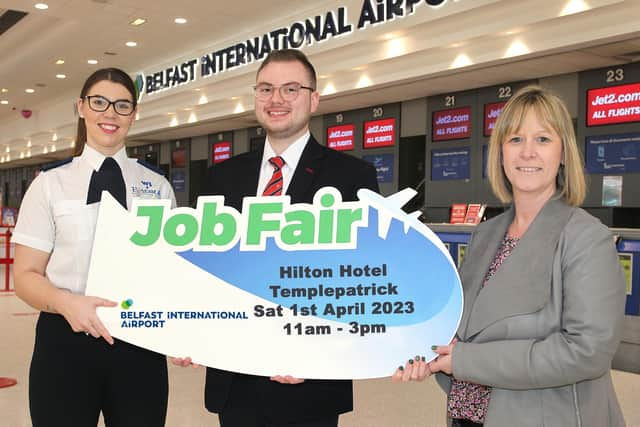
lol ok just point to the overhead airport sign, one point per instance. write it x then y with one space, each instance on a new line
315 29
302 285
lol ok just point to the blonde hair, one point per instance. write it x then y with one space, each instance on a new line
550 110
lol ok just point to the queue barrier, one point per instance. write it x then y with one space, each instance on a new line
7 259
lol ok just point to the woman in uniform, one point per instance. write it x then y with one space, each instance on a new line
78 370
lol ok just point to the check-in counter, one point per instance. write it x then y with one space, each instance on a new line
627 358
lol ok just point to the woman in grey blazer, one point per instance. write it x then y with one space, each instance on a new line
544 291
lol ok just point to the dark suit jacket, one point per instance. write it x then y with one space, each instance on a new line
236 178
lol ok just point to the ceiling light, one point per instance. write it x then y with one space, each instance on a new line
329 89
137 21
203 99
239 108
516 48
363 82
8 158
53 148
192 118
461 60
174 122
6 150
29 144
45 150
131 44
41 6
72 143
574 6
4 90
29 90
4 102
61 76
54 137
180 21
60 62
92 61
28 153
22 155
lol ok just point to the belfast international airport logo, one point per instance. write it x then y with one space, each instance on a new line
139 86
126 304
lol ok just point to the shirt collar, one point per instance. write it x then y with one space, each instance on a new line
291 155
95 158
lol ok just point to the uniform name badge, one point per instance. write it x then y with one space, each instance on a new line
331 290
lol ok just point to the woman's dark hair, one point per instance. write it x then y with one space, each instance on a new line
114 75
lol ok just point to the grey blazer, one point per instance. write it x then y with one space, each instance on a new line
544 329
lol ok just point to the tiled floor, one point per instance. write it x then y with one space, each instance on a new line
378 403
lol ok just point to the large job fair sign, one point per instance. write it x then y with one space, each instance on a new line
331 290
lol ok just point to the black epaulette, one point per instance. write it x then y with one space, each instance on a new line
151 167
54 165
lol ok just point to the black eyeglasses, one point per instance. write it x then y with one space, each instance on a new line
288 92
99 103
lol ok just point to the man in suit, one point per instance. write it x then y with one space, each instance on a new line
285 98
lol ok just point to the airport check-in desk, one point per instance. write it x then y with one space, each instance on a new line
627 357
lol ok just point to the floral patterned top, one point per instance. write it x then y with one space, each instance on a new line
467 400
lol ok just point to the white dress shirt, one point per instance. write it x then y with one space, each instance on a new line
54 216
291 158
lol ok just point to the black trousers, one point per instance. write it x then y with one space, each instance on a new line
252 419
244 408
73 377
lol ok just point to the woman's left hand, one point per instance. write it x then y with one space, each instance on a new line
444 362
414 370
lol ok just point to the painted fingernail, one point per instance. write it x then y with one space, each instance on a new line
410 361
401 368
417 358
434 347
423 358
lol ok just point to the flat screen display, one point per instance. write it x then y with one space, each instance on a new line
341 137
379 133
451 124
179 158
220 152
491 113
613 105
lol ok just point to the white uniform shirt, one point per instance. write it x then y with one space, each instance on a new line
54 216
291 158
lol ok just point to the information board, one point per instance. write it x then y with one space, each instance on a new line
450 164
383 164
221 151
613 153
613 104
451 124
379 133
341 137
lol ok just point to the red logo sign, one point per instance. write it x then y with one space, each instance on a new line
341 137
451 124
491 113
616 104
379 133
221 151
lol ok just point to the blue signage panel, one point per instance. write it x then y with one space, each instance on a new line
613 153
450 163
383 164
177 180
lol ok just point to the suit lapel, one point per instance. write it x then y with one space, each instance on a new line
486 242
522 284
303 176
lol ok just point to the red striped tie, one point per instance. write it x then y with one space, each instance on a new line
274 187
